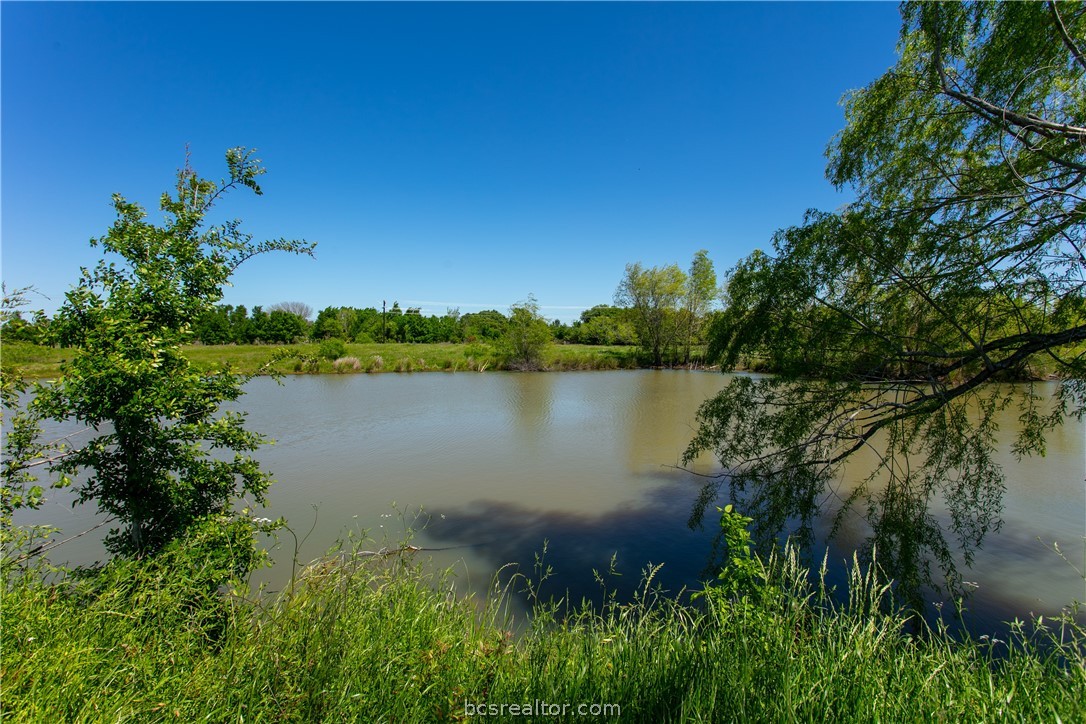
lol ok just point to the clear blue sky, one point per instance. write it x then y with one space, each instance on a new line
440 154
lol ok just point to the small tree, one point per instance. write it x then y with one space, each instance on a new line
24 452
654 295
152 468
526 336
701 292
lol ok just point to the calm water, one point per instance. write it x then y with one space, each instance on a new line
500 463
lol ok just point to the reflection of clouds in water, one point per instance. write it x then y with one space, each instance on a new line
505 532
578 458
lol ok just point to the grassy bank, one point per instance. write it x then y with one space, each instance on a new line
44 362
364 638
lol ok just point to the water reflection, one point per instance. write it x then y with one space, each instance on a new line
936 516
585 460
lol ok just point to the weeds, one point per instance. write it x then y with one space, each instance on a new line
377 636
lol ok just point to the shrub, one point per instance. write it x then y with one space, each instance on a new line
343 364
332 349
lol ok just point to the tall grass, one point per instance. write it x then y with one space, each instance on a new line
375 637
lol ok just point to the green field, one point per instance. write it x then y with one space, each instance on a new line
44 362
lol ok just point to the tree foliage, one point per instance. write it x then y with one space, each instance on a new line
959 264
701 291
25 452
152 468
654 295
526 336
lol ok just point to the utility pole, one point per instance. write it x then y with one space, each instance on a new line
384 324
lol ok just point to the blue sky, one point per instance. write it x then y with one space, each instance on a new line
439 154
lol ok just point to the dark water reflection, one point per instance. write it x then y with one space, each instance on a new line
501 462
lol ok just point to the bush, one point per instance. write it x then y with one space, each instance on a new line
332 349
343 364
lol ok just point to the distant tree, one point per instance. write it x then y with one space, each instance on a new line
654 296
526 336
255 330
448 328
488 324
283 327
366 326
326 324
239 324
152 466
299 309
213 326
701 292
606 329
17 329
561 332
605 310
416 328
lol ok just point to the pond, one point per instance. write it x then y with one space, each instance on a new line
501 463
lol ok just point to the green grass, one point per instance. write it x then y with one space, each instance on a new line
44 362
363 638
34 360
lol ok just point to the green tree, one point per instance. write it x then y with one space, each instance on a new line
213 326
127 318
654 295
526 336
488 324
239 324
256 329
960 263
25 453
701 292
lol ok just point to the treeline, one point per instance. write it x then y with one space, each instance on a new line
287 323
228 324
663 310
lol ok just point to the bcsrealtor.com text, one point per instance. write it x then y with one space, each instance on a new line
540 708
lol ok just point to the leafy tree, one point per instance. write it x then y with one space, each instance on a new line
328 324
256 329
654 295
526 336
448 327
152 469
332 349
213 326
25 453
960 263
701 292
239 324
488 324
282 327
16 328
